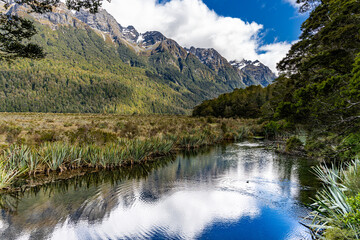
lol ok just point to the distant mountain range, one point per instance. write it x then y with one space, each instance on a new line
96 65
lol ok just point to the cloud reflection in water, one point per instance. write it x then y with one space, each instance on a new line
229 190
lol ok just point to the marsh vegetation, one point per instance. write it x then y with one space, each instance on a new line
38 144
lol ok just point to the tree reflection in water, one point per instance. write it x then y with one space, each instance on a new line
180 197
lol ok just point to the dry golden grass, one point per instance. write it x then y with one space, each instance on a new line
37 128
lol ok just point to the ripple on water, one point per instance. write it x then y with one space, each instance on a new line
226 192
250 144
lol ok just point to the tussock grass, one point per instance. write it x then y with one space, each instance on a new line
34 129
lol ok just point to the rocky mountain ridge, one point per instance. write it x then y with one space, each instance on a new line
250 73
256 70
99 45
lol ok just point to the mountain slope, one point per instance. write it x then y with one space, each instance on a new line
250 73
94 64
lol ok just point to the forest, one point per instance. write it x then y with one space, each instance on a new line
318 88
81 72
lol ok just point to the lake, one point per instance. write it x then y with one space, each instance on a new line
235 191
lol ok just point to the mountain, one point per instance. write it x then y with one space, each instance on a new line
212 59
250 73
94 64
256 72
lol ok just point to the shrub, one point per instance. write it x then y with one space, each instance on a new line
350 146
68 124
12 132
320 149
293 144
45 136
271 129
224 128
210 119
130 130
86 135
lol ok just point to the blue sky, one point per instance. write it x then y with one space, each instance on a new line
280 19
238 29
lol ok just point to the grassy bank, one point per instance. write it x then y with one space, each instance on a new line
35 144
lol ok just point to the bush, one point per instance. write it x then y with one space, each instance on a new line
224 128
274 128
320 149
130 130
210 119
87 135
293 144
12 133
350 146
45 136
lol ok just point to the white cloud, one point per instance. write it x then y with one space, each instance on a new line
174 215
192 23
273 53
292 2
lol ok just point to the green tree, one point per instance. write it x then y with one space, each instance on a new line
244 103
319 74
16 32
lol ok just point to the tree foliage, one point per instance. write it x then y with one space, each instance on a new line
81 73
84 73
319 83
243 103
16 32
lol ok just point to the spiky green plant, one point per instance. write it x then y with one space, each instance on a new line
336 206
17 156
8 174
60 156
55 155
32 162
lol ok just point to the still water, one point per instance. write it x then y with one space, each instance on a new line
238 191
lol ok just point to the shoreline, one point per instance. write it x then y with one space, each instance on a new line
29 181
35 144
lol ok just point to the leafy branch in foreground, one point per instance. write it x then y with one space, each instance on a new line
336 210
16 32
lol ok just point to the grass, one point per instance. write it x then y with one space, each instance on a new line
35 143
37 128
336 213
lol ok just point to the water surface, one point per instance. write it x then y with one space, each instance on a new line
238 191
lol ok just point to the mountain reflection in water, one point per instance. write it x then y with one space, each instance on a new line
238 191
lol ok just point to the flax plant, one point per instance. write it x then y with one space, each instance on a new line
336 209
